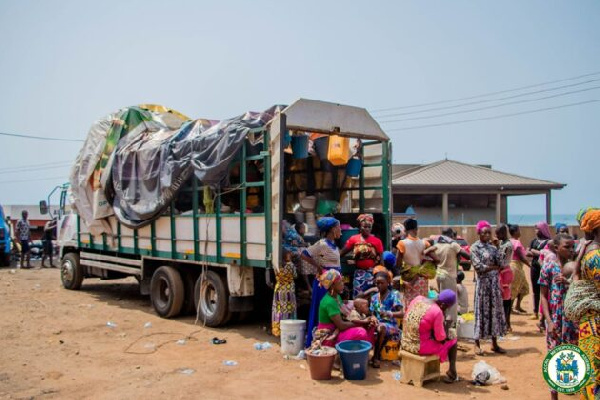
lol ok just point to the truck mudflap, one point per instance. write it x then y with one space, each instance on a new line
240 281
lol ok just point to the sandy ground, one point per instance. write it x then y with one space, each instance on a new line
55 344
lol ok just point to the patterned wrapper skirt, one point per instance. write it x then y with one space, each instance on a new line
363 280
489 312
284 303
519 285
589 342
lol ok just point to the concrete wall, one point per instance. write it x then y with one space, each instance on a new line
468 232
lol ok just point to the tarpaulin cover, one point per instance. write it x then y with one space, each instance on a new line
134 161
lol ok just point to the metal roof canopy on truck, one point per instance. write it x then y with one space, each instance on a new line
331 118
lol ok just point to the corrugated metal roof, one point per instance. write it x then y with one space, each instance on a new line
449 173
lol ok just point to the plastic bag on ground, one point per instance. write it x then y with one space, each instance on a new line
480 370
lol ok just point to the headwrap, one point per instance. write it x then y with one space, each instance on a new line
368 218
379 268
326 223
447 297
411 224
582 213
398 228
481 225
544 229
590 221
329 277
389 259
559 225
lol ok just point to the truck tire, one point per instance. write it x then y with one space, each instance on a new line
167 291
211 299
71 272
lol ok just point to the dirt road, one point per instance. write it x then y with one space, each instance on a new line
55 344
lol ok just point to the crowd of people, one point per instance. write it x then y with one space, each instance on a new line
21 241
394 298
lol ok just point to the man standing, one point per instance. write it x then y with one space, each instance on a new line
49 234
24 235
446 252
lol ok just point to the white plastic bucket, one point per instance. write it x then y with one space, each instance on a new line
466 330
292 336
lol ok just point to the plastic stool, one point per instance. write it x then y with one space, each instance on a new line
418 369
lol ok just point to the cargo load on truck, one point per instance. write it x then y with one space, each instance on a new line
134 161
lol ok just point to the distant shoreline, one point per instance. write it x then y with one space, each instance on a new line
532 219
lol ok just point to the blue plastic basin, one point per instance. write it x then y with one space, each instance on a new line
354 355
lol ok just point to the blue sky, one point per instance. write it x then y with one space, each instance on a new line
64 64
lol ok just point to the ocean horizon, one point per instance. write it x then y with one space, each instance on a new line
532 219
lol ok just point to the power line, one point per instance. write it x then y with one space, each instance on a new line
491 100
492 117
34 169
485 94
40 137
36 165
493 106
34 180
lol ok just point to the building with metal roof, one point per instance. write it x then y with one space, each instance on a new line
450 192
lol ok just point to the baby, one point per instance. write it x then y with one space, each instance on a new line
360 311
359 315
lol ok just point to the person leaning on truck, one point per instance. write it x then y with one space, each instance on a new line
24 236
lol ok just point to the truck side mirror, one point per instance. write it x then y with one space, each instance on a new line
43 207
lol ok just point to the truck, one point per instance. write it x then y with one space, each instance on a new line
201 225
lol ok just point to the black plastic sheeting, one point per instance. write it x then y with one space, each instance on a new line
148 169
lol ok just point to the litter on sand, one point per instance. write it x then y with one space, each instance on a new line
262 346
230 363
111 324
148 325
187 371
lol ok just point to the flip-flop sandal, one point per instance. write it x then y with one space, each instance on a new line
479 352
448 379
216 340
376 364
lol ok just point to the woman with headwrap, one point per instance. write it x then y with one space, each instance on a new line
489 313
398 233
367 251
323 255
561 228
330 314
414 272
582 303
387 307
424 332
542 233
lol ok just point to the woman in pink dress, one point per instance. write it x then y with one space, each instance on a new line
424 332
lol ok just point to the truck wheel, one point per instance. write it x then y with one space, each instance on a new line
71 272
166 291
211 298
